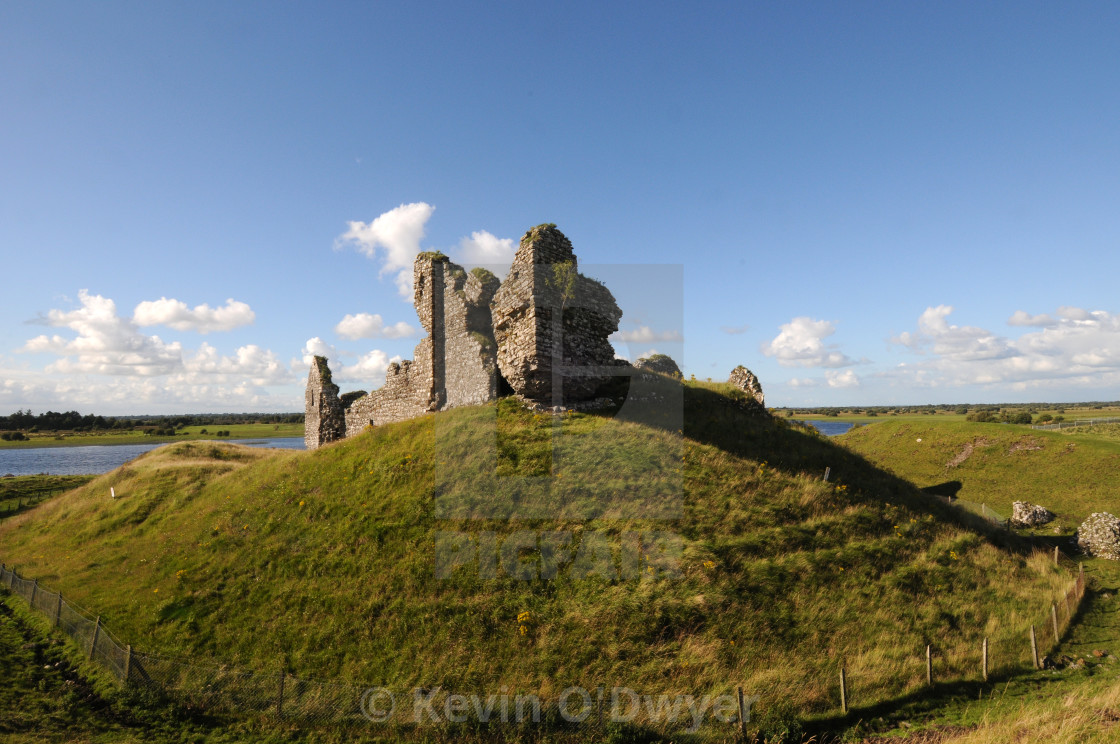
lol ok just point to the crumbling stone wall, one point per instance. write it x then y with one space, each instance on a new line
551 323
546 322
745 380
323 414
453 365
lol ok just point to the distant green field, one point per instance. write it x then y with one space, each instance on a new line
1073 473
236 431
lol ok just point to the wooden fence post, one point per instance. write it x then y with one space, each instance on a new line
1054 619
127 663
742 712
984 663
1055 555
1034 648
843 690
34 591
58 611
929 665
96 632
827 471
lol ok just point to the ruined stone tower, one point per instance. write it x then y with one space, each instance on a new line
551 323
545 323
454 365
323 415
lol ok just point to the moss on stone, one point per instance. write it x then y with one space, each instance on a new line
324 369
433 255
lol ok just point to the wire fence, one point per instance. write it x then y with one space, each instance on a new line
224 689
13 506
1075 423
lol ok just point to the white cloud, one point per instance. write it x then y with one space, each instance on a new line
364 325
1073 348
961 343
735 330
646 335
109 366
368 370
1020 318
259 366
397 233
801 344
484 249
203 319
845 379
106 343
316 346
803 382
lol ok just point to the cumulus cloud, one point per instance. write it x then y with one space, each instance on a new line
845 379
484 249
1072 348
316 346
259 366
961 343
107 364
369 369
393 238
203 319
801 344
364 325
735 330
646 335
1020 318
105 344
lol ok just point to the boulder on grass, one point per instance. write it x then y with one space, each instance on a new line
1024 514
662 363
1099 535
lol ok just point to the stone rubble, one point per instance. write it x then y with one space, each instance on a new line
745 380
1024 514
1100 535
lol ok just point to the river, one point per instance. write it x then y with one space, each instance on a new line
831 428
101 458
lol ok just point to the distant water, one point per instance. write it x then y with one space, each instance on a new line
831 428
101 458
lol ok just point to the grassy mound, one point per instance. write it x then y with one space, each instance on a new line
664 559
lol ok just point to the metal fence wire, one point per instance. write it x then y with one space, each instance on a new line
223 689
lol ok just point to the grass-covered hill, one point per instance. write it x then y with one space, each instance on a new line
324 563
1073 473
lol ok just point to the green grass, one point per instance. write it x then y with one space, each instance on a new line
322 563
22 492
237 431
1069 473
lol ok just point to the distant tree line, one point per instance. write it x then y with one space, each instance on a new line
73 421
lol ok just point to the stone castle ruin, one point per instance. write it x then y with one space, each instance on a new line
541 334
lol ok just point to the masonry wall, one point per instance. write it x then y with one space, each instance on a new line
324 420
454 365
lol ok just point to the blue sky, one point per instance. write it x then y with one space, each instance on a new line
864 203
